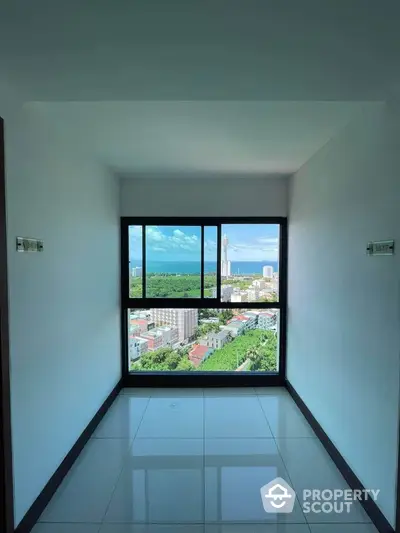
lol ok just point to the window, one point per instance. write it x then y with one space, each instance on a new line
203 296
210 261
173 262
135 261
182 339
250 263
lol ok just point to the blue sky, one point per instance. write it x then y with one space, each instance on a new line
247 242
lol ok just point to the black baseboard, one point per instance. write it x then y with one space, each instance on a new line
371 508
202 379
39 505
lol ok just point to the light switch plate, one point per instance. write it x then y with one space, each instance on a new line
380 248
28 244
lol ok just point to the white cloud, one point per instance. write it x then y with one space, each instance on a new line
154 235
179 240
268 240
261 250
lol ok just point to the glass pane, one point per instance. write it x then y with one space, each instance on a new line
210 261
173 261
203 339
250 263
135 261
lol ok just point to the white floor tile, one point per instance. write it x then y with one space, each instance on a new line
173 418
235 471
174 392
149 470
222 392
152 528
272 391
123 419
66 528
235 417
162 483
284 417
343 528
86 491
257 528
310 467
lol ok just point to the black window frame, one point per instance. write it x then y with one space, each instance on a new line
199 378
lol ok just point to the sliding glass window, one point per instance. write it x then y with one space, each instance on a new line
203 295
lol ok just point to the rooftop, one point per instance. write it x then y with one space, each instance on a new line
142 321
220 335
235 324
199 351
152 333
139 340
241 318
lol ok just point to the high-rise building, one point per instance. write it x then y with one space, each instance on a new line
268 271
225 264
136 272
185 320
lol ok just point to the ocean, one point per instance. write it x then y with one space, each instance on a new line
192 267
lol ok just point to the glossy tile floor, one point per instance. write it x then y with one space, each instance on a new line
194 461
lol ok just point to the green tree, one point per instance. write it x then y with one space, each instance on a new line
225 315
164 359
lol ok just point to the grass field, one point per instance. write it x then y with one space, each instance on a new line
172 286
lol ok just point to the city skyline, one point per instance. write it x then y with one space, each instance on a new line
247 243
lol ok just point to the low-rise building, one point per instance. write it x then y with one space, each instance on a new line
154 339
267 320
199 353
251 319
134 330
266 290
137 347
226 293
169 334
211 320
239 296
145 313
259 283
235 327
217 340
253 294
142 323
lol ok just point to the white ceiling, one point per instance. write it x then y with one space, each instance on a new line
200 138
200 87
200 49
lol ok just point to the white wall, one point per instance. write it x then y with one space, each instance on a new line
64 304
343 322
204 196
